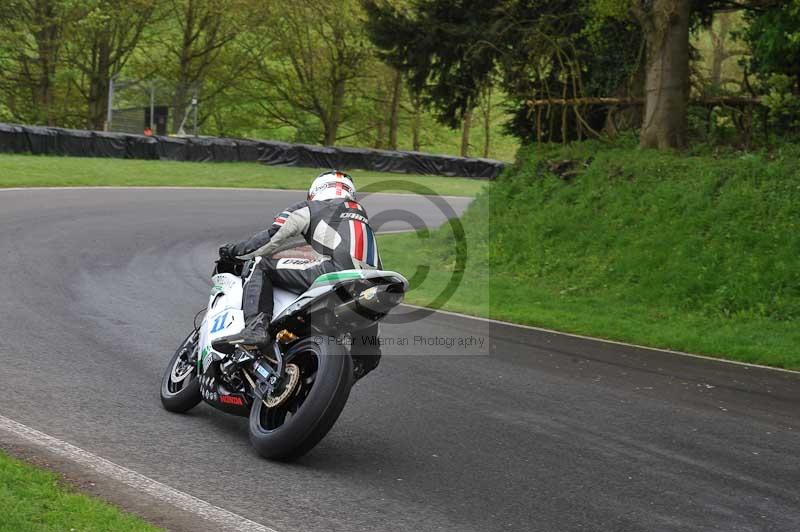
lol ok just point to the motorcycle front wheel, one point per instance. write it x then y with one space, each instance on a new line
180 386
291 429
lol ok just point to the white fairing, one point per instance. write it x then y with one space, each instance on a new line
224 314
282 299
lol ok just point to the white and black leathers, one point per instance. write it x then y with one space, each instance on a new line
337 229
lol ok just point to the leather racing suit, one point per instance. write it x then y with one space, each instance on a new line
339 232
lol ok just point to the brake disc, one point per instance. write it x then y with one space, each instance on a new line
292 378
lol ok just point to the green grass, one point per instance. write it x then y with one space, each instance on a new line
32 499
695 253
48 171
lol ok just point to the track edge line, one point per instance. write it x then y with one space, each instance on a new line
602 340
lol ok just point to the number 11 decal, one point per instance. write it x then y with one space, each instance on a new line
219 322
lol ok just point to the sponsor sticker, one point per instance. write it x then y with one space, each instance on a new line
231 400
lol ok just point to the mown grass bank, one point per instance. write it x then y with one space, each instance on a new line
51 171
32 500
698 253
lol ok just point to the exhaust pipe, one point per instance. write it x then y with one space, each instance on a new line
371 304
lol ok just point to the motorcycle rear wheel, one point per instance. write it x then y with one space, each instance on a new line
180 386
291 429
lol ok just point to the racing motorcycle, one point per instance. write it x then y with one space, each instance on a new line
293 389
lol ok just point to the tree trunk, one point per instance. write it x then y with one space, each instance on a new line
181 96
394 111
47 29
467 124
380 132
337 105
487 122
98 103
178 106
44 90
328 133
416 124
47 65
98 87
720 53
666 28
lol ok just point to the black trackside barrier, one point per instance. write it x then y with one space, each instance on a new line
224 150
12 140
274 152
81 143
142 147
41 140
199 150
171 148
68 141
110 145
248 150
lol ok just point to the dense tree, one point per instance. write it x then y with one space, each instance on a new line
376 72
453 51
666 26
102 42
319 53
33 32
773 35
438 45
198 35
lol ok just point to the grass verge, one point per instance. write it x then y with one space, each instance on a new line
698 254
32 499
51 171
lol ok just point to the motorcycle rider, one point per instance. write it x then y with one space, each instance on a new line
337 228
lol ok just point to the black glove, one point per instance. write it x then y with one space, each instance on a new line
228 252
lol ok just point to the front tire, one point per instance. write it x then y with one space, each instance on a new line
291 429
180 387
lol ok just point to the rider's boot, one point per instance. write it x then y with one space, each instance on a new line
254 333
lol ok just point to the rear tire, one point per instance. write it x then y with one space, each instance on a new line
180 387
326 378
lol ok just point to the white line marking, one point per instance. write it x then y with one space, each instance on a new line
244 189
219 516
603 340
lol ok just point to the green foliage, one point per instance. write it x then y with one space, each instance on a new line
717 236
32 500
537 49
443 46
697 253
284 70
618 9
773 35
321 71
783 103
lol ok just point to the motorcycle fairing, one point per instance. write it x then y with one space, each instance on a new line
224 315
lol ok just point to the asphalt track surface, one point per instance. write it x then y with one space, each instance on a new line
532 431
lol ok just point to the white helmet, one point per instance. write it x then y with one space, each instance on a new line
332 185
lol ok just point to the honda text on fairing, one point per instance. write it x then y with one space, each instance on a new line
291 374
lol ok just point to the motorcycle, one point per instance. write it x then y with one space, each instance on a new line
293 389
